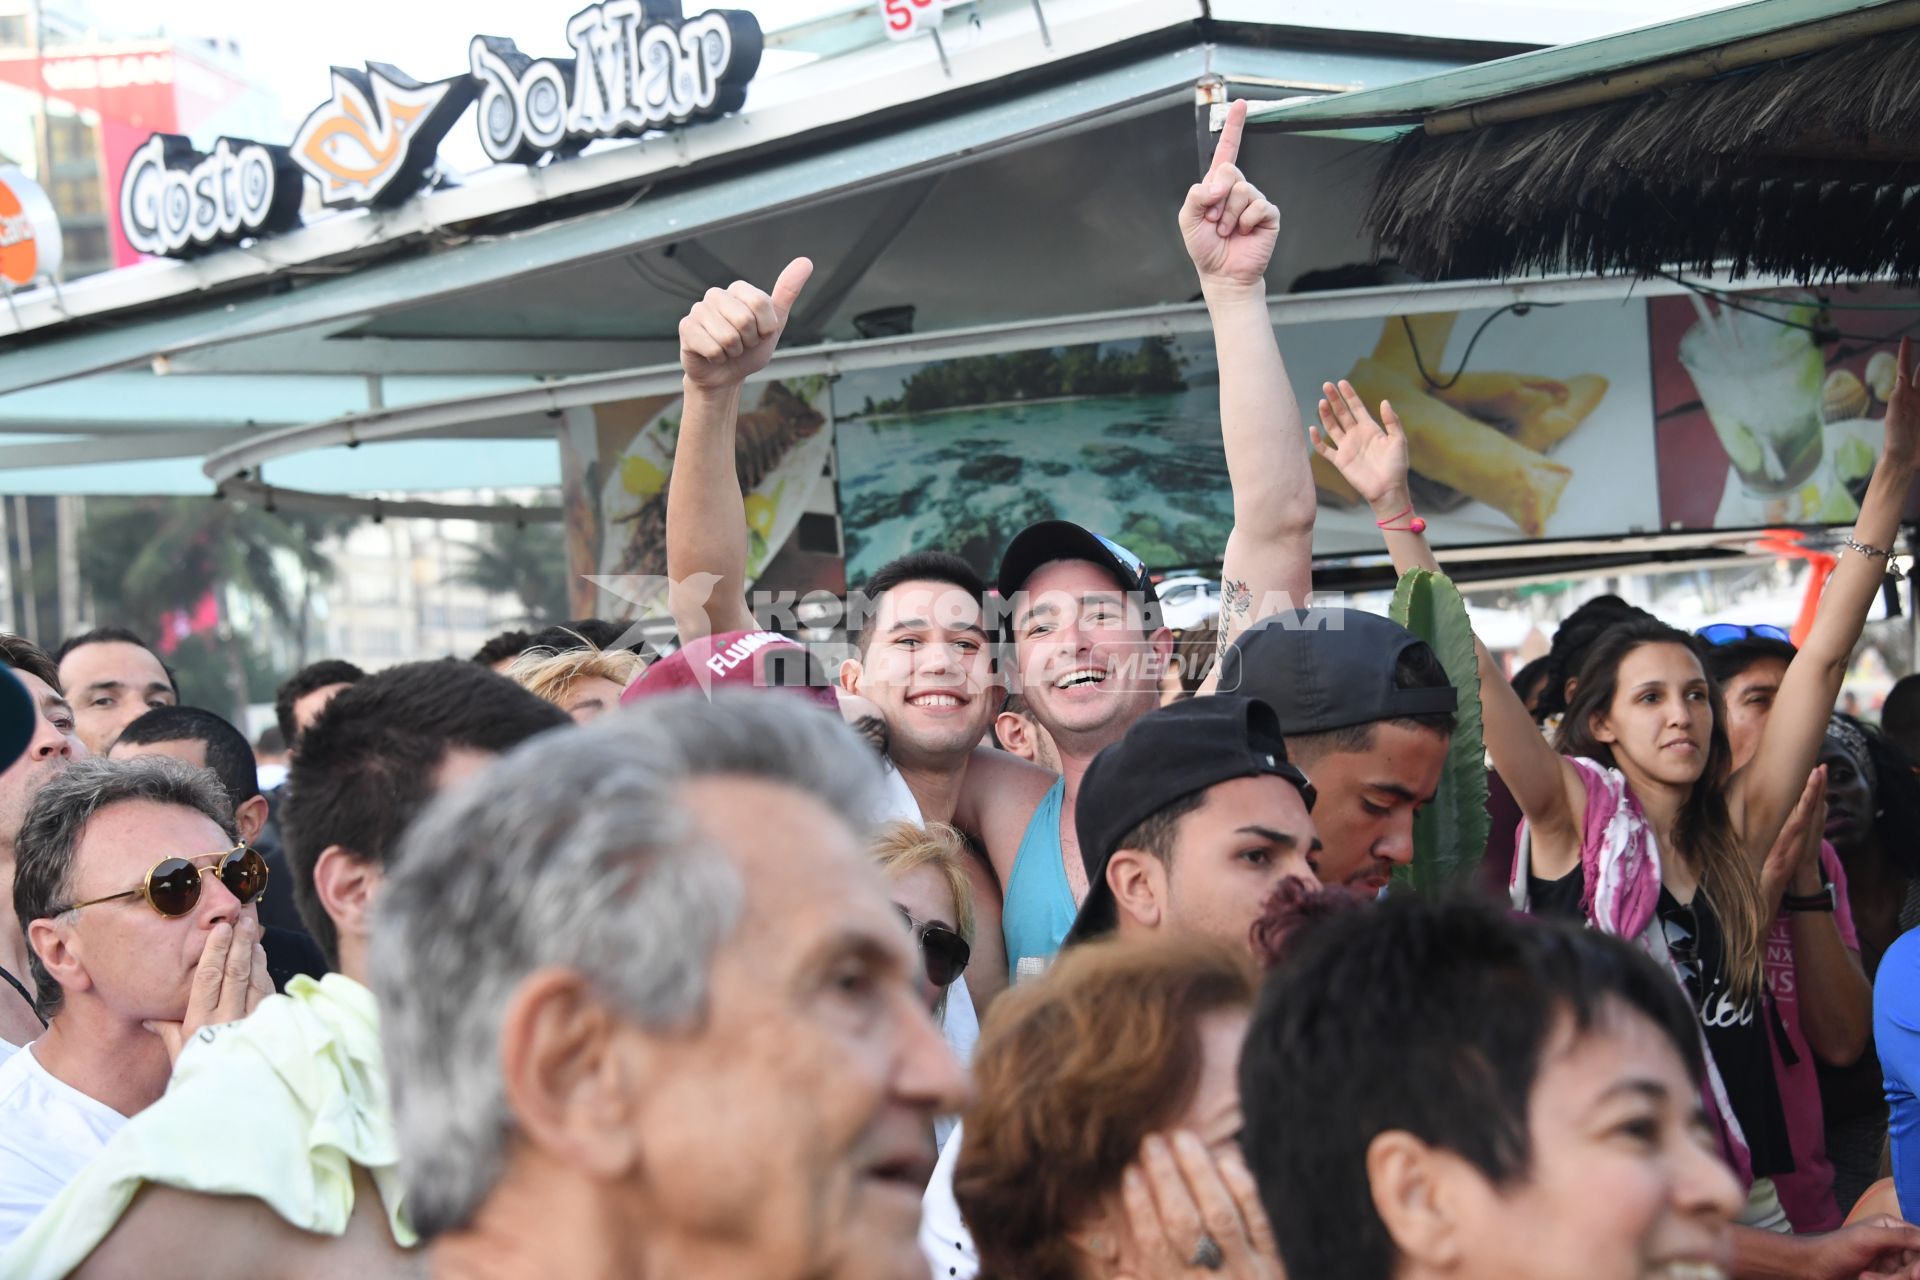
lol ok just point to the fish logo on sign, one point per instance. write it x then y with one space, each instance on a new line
374 141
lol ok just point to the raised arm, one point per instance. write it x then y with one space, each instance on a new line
727 338
1373 458
1230 230
1762 794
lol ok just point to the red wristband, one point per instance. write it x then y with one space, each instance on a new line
1416 525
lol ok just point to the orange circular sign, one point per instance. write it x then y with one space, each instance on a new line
19 241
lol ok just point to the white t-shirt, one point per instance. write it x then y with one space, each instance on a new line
48 1132
899 804
944 1239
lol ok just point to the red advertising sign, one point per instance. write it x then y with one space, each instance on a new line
29 231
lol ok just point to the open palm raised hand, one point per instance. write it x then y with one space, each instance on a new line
1371 455
1229 227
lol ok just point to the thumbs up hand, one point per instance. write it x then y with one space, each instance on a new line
730 334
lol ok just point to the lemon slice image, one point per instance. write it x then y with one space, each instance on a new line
641 478
1838 508
1744 449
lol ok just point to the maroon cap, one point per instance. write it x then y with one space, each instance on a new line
735 660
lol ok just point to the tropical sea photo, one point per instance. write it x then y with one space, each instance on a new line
1122 437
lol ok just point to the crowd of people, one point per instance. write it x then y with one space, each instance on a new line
1033 942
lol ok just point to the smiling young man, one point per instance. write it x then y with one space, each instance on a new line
1368 713
922 657
1088 642
1090 650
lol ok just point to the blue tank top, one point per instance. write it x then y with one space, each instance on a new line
1039 907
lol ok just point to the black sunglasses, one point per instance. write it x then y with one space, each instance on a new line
944 952
1682 933
172 886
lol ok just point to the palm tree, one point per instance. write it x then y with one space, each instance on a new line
529 561
144 558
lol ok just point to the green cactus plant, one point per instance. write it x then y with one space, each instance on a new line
1450 835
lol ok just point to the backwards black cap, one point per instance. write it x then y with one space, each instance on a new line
1326 669
1166 756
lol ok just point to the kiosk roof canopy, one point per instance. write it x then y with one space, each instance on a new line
1773 139
1026 178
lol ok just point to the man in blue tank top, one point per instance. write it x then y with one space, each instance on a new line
1080 608
1087 642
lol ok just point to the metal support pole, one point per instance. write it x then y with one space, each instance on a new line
1040 12
29 604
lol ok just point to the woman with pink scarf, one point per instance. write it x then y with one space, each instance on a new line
1633 821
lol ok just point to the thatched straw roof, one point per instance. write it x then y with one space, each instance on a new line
1807 168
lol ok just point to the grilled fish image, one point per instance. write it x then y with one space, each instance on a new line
765 436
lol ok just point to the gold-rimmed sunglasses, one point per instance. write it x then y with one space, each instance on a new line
172 886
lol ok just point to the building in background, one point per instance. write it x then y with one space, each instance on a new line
399 594
77 100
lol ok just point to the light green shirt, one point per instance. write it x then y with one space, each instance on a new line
301 1088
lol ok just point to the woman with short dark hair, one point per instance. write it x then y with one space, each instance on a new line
1106 1120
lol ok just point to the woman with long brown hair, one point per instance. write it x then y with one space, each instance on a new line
1631 818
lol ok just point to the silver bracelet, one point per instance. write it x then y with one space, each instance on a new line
1871 553
1875 553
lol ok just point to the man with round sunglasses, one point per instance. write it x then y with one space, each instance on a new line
311 1186
137 901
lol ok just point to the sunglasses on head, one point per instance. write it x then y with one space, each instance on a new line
1682 932
943 951
172 886
1734 632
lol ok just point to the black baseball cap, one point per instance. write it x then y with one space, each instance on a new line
1326 669
18 717
1051 540
1165 756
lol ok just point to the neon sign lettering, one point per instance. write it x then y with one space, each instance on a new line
175 200
638 65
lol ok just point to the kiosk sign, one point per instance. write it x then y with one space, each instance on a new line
637 66
176 201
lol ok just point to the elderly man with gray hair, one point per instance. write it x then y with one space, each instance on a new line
648 1010
137 902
